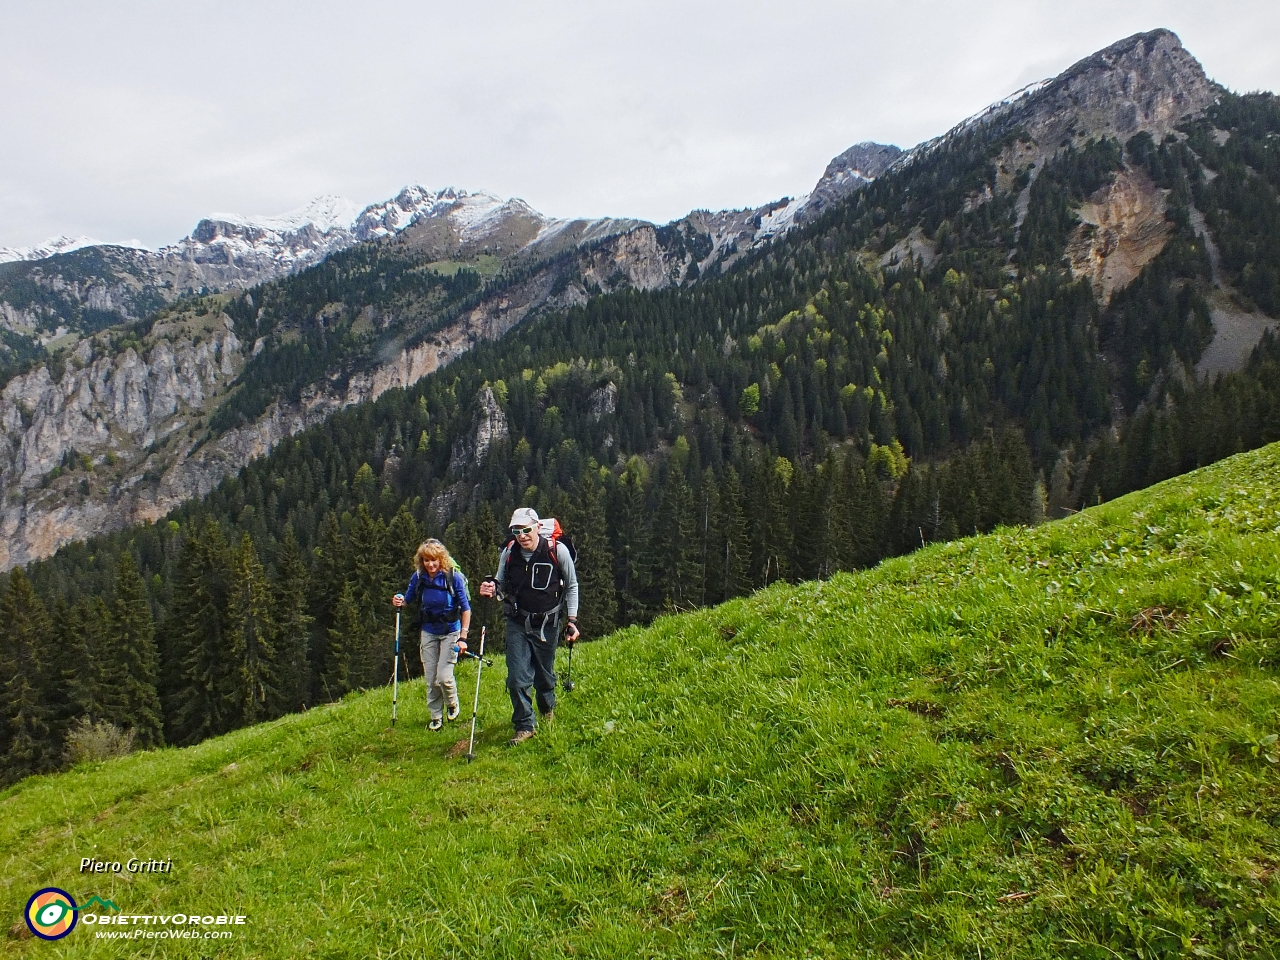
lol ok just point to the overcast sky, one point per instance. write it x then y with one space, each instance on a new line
131 120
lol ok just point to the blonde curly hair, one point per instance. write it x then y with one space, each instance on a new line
433 550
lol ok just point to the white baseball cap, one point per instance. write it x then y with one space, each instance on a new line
524 517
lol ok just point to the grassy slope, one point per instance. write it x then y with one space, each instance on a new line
970 749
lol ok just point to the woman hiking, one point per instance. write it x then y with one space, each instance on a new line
443 615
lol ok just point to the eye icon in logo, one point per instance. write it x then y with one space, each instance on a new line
51 913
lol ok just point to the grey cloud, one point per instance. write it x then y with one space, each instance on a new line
136 119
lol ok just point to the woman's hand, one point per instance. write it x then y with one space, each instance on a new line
398 600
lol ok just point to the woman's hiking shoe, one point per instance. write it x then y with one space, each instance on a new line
520 737
435 724
453 713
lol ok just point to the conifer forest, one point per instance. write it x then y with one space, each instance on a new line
812 408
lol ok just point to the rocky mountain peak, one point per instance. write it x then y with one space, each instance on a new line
858 165
54 246
1145 82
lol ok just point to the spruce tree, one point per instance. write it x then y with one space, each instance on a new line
372 588
345 633
400 544
131 641
251 652
674 545
599 605
28 742
293 627
635 603
329 574
482 565
81 630
202 702
736 533
711 537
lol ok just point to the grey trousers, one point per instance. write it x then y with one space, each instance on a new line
438 661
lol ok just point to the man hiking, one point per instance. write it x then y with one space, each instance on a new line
539 584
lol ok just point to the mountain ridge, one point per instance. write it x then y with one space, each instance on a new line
1118 88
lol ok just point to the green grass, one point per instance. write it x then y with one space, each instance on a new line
1058 742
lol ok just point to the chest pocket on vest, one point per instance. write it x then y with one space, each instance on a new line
540 576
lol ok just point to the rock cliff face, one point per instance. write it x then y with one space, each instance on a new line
850 171
115 439
1122 228
90 428
489 426
1146 82
104 405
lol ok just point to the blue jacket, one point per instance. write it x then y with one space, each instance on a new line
440 611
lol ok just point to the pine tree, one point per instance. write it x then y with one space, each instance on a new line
201 702
372 587
293 627
599 605
345 634
26 739
736 534
674 544
131 641
81 628
251 651
635 605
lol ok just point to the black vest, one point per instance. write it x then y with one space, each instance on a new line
536 585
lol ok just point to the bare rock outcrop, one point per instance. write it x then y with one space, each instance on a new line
849 171
488 426
1122 229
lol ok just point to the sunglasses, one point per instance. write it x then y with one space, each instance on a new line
521 531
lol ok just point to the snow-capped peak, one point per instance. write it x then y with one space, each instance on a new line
469 212
323 213
56 245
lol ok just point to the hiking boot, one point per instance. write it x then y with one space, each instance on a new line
435 724
549 717
452 715
520 737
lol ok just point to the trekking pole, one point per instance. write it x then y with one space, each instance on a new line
395 672
475 707
468 655
568 671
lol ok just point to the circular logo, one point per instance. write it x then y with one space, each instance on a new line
51 913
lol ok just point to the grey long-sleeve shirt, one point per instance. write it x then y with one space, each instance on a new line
567 571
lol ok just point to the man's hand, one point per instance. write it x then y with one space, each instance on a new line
488 587
398 600
572 633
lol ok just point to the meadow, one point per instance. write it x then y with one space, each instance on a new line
1057 741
